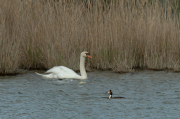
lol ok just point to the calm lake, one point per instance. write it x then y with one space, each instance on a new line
148 94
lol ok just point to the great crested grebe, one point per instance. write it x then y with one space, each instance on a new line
110 97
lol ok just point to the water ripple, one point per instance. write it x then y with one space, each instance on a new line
148 94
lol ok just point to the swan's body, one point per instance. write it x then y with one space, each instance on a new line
110 96
62 72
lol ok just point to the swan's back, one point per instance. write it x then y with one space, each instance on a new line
63 72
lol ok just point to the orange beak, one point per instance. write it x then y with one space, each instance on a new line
88 56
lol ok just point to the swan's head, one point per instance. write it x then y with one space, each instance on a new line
85 54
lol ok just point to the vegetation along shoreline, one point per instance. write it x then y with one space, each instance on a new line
121 35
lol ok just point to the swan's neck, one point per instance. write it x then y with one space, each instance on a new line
82 68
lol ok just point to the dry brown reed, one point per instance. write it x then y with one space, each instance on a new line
120 35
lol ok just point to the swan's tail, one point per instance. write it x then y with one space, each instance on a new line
45 75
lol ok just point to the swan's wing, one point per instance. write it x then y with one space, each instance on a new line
47 75
53 70
60 69
63 72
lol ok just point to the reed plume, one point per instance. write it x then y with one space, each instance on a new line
120 35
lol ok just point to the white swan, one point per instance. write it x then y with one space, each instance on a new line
62 72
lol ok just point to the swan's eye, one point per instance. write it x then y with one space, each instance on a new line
87 53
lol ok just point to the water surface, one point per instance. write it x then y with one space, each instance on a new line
148 94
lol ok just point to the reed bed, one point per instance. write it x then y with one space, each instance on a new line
120 35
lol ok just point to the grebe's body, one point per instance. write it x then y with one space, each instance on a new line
110 96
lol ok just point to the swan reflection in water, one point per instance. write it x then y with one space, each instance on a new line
110 96
62 72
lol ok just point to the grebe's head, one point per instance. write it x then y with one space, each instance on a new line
110 92
86 54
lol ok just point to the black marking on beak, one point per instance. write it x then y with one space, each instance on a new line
87 53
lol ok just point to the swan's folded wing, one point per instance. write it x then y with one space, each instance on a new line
53 70
66 70
63 72
60 69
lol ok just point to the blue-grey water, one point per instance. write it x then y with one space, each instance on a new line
148 94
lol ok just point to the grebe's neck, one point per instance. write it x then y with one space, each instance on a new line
110 96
